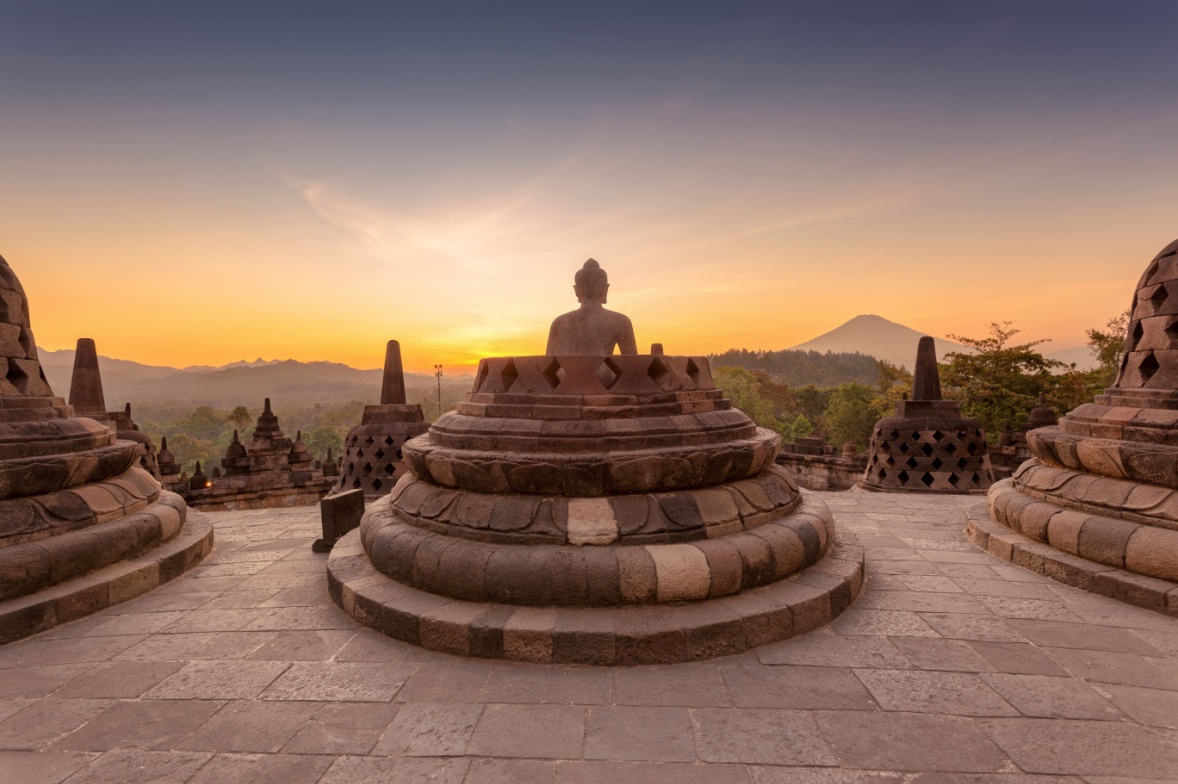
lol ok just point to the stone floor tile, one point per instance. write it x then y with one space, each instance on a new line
1007 589
383 770
429 730
952 556
1053 698
556 685
9 707
38 681
164 602
915 601
39 652
196 584
941 654
1017 658
760 737
913 566
594 772
1165 641
299 597
946 693
140 767
823 776
460 682
262 769
1087 636
247 726
1029 609
529 731
998 778
340 681
119 679
45 721
680 685
1152 707
1083 748
910 742
303 646
957 626
294 618
639 734
240 600
41 767
142 623
881 623
142 724
1126 669
928 584
213 621
218 680
797 688
825 648
368 645
343 728
510 771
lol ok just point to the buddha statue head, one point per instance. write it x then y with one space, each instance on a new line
591 283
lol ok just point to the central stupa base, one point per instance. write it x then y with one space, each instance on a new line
627 635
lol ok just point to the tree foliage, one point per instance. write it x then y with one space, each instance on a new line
1108 346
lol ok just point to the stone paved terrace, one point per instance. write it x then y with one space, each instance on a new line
953 667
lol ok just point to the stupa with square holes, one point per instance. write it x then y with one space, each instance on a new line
1097 504
594 508
372 459
927 446
82 525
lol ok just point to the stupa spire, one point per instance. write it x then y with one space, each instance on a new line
86 387
926 380
392 390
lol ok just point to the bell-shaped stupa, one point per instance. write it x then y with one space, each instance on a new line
73 498
595 508
1097 505
926 445
372 451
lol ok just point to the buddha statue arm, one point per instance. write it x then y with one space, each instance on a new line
626 341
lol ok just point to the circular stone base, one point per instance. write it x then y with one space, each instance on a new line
647 634
108 586
1002 542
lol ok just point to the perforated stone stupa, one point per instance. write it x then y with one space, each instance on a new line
598 509
1097 505
927 446
73 499
372 459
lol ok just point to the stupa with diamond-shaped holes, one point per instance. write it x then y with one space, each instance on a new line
372 459
594 509
927 446
1097 505
82 525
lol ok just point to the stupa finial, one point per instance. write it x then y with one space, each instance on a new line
392 390
926 380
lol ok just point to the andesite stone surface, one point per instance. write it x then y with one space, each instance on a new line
73 499
594 508
926 445
1101 492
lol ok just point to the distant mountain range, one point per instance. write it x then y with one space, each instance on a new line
238 383
896 343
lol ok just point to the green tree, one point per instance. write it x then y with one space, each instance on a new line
1108 347
799 428
998 383
319 440
743 388
239 417
853 411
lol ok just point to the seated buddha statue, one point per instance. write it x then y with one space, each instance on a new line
591 329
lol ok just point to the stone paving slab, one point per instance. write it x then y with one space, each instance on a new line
953 667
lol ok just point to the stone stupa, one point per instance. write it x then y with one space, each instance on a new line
594 508
1097 505
926 445
82 525
88 399
372 459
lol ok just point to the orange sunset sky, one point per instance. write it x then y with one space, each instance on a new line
287 184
